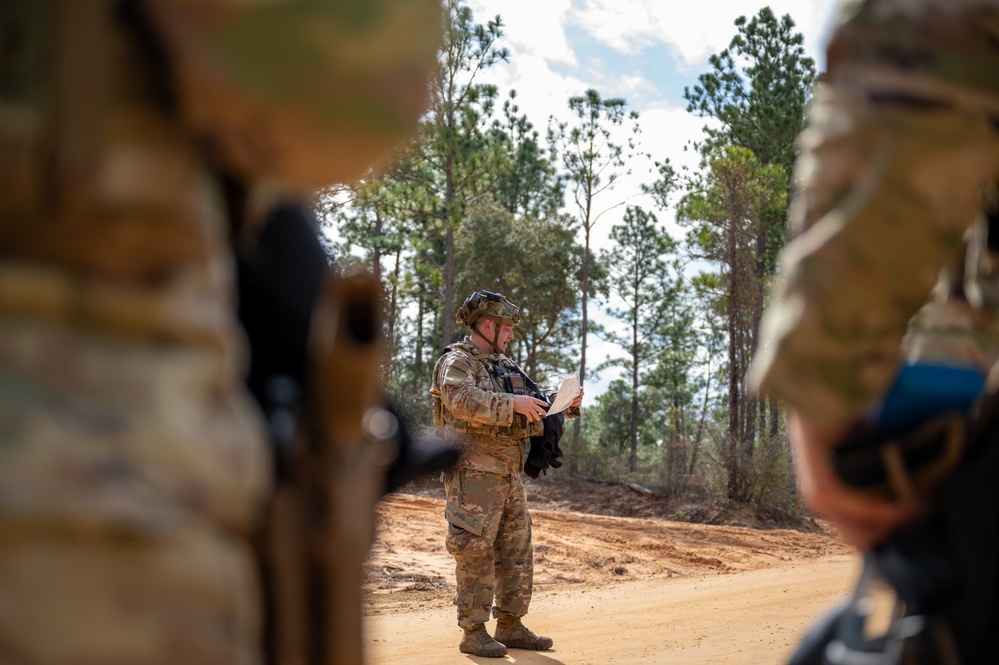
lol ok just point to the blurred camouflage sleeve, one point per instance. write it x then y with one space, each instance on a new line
877 229
466 400
960 325
305 91
899 143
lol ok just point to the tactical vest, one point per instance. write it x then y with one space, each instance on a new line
494 372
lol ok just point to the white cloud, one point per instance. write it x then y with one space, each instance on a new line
630 86
667 131
541 92
623 25
546 71
532 27
692 30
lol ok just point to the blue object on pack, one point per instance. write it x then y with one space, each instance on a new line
924 390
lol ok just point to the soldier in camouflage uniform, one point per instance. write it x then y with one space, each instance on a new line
483 404
132 465
897 163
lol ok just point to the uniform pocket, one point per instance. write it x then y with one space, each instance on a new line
465 516
459 518
457 539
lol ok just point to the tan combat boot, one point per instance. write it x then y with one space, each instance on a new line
512 633
478 642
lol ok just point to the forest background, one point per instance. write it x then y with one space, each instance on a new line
643 269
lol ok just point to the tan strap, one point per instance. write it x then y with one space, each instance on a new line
82 71
899 479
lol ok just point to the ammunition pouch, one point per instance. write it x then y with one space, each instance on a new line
516 384
515 381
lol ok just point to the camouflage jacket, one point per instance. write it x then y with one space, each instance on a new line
473 409
888 193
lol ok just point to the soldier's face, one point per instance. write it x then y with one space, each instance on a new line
505 337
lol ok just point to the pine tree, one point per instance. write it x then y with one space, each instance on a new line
593 159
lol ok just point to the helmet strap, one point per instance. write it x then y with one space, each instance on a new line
495 340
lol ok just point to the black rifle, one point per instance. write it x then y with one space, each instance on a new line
338 444
940 573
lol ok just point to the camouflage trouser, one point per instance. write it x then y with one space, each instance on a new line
129 475
489 535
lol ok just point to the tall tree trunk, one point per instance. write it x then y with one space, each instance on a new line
774 418
376 253
761 410
448 295
447 306
421 312
700 423
633 457
749 432
733 435
393 304
584 328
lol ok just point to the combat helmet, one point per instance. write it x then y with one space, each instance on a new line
489 305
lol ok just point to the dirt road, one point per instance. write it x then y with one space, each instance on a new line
612 590
753 617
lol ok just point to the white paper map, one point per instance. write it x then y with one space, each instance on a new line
568 391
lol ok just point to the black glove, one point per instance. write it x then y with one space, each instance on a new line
544 451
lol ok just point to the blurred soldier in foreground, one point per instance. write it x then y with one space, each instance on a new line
135 137
897 163
489 408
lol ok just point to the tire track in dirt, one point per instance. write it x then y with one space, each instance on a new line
409 565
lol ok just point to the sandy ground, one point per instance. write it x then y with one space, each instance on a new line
612 589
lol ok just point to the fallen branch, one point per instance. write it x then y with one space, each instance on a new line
632 486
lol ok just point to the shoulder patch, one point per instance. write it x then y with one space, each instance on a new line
458 367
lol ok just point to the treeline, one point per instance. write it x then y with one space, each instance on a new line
482 198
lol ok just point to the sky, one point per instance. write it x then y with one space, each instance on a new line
644 51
